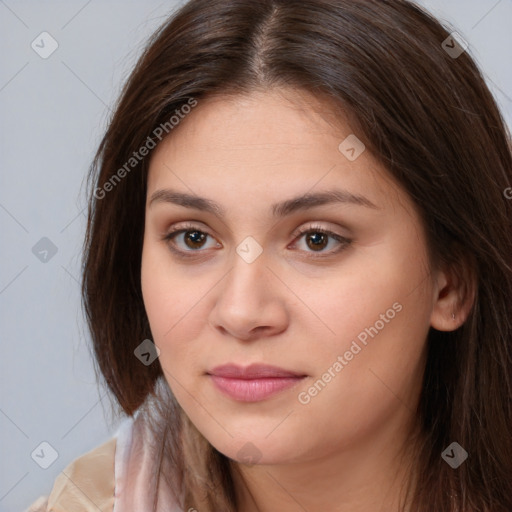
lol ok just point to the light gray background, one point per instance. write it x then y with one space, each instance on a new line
53 113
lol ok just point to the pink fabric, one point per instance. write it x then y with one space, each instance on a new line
134 459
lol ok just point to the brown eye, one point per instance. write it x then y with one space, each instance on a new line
187 240
316 240
196 239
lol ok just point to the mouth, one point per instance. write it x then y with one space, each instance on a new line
253 383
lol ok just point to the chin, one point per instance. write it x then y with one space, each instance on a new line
255 450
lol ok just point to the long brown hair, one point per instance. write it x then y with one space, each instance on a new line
426 114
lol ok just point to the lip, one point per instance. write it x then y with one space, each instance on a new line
253 371
252 383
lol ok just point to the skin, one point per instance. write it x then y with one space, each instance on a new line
342 450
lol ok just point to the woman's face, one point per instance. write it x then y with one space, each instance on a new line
343 315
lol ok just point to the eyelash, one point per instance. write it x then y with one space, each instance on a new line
345 242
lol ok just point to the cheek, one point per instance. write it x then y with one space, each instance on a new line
379 289
359 386
173 303
379 311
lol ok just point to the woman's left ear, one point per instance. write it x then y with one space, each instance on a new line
454 295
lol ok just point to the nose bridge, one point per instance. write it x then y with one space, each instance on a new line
246 302
248 271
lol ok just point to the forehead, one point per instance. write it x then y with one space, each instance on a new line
270 144
272 122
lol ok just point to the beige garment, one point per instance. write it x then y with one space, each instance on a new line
85 485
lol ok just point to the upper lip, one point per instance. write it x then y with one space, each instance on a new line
253 371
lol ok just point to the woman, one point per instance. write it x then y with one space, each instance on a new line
297 270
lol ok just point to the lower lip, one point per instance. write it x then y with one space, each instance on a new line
253 390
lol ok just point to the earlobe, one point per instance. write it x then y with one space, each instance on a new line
453 299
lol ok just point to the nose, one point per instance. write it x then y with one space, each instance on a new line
250 301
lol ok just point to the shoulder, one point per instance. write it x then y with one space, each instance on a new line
86 484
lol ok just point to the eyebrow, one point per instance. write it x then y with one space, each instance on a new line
281 209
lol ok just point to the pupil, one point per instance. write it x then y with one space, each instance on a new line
193 234
317 239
